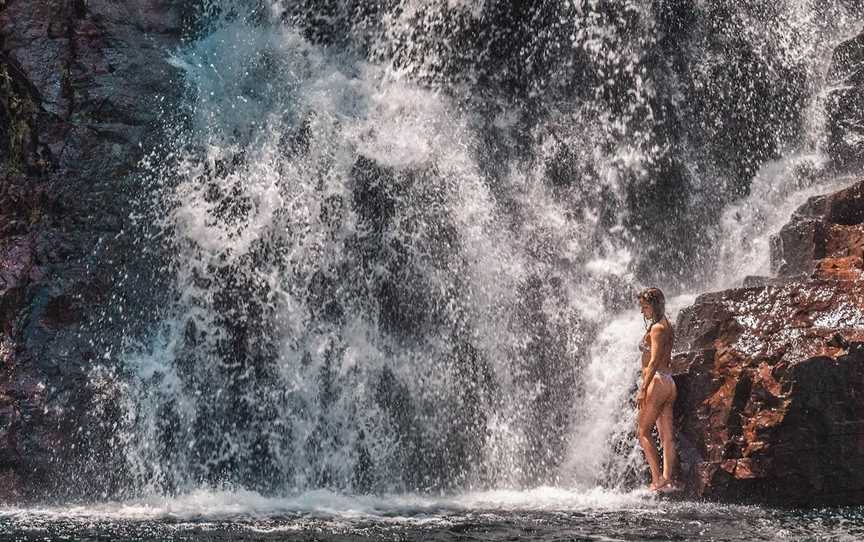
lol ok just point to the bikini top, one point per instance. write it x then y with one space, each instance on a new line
644 346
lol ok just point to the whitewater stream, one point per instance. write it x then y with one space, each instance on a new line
399 246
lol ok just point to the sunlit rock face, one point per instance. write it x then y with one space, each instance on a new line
80 87
825 237
771 406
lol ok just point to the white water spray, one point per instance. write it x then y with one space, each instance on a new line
365 297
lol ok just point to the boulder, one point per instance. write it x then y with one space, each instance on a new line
771 408
824 234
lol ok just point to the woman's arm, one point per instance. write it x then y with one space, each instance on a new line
656 336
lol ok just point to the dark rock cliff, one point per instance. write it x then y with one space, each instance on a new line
80 90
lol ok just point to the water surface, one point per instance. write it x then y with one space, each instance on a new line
541 514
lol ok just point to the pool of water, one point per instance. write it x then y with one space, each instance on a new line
539 514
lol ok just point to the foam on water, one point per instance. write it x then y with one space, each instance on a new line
440 521
322 504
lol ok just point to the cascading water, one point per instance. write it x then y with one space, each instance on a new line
399 263
353 310
605 418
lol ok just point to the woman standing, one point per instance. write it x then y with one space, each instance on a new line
657 392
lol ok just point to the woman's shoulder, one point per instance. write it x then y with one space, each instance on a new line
658 328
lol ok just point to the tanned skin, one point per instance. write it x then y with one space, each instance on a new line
656 396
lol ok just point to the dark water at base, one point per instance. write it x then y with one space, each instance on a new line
543 514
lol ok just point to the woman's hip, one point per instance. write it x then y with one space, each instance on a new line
662 384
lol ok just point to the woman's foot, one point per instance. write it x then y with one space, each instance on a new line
658 484
668 486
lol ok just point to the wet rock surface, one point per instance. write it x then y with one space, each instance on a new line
771 407
81 85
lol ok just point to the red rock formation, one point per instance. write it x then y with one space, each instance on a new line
772 402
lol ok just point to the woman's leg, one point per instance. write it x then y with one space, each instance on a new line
647 417
666 429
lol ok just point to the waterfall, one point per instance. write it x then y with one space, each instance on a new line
403 240
605 450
